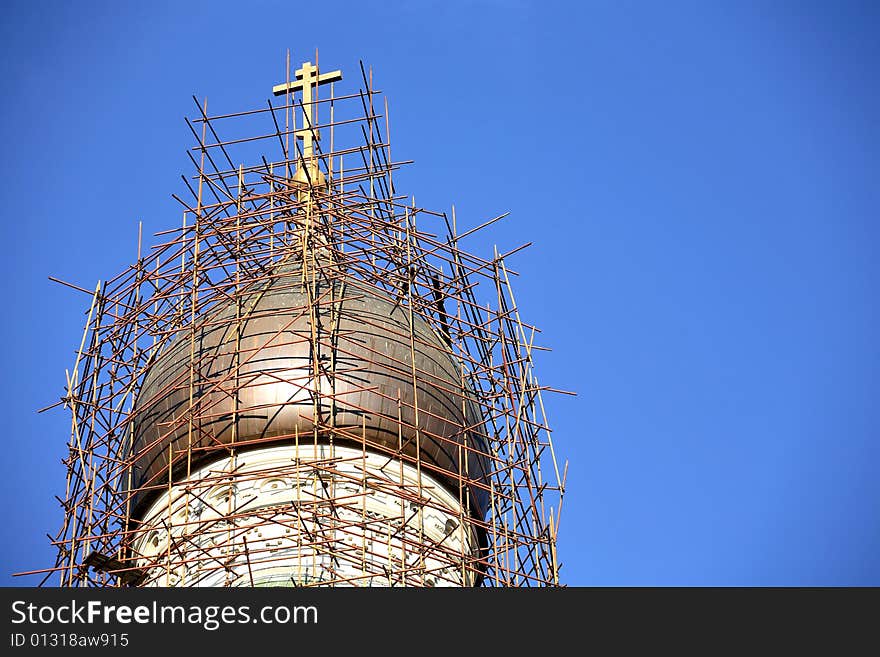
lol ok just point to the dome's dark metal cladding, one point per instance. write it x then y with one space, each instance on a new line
365 363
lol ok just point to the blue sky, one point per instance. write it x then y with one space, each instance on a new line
700 181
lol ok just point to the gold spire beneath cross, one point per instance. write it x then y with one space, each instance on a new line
307 77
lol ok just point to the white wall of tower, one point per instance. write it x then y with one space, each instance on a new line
291 515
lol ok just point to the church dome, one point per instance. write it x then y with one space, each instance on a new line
359 380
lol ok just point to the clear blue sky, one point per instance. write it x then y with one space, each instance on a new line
700 180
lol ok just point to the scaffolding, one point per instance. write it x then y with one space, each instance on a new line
300 196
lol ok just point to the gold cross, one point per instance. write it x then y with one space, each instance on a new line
306 78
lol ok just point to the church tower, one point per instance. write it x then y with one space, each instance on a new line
308 382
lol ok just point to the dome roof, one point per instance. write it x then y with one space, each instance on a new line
364 359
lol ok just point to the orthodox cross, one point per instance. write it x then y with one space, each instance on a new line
307 77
